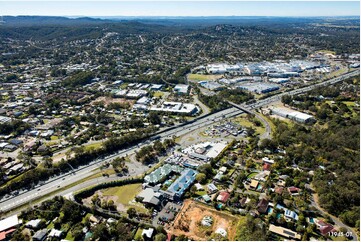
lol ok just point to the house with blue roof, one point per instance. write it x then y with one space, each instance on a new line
290 215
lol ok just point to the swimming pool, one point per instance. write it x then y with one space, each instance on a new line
269 210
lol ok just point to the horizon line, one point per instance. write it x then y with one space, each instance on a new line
179 16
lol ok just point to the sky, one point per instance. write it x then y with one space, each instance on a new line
181 8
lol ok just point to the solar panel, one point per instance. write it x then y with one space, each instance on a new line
289 233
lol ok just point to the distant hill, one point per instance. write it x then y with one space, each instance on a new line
49 27
50 20
45 28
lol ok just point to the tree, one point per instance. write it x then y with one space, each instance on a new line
160 237
131 212
154 118
207 170
77 232
158 146
268 144
100 232
181 238
201 178
286 99
111 204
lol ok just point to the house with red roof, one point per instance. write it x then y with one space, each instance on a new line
5 235
324 227
293 190
223 197
266 167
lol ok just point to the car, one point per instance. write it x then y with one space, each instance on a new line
58 186
38 189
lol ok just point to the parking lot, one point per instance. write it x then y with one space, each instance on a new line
167 214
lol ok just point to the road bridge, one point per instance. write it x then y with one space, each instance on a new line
265 135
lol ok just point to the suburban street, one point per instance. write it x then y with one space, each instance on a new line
137 168
334 219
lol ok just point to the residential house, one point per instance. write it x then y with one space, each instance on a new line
40 235
33 224
147 234
324 227
291 215
254 184
212 188
199 187
284 232
293 190
54 233
262 206
266 167
223 197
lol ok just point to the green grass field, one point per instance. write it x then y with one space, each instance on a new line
124 193
69 236
253 174
327 52
245 123
93 146
158 94
54 137
201 77
138 235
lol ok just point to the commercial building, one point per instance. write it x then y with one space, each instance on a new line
150 197
205 151
179 186
293 115
137 93
156 87
9 223
4 119
182 89
176 107
161 173
223 68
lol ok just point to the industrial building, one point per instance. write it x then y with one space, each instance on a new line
211 85
259 87
293 115
279 80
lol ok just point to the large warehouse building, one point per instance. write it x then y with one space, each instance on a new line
293 115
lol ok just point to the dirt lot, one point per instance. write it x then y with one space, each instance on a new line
188 222
108 100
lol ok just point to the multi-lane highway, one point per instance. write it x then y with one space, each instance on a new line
56 183
80 173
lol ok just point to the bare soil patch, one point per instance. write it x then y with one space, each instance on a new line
188 222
